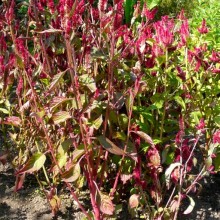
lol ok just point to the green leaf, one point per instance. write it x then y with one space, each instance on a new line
3 110
87 81
120 135
63 148
56 80
20 62
35 163
195 117
110 146
77 153
123 121
61 159
38 70
152 3
180 101
57 101
60 117
217 162
99 54
97 123
129 8
217 120
62 155
158 100
72 174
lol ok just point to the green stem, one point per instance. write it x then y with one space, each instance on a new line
165 99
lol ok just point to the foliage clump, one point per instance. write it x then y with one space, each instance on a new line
119 109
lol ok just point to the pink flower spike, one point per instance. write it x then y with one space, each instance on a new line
149 14
201 124
181 16
51 6
102 5
2 65
215 57
216 137
184 32
164 31
181 73
203 29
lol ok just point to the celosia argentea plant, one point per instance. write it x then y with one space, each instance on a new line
129 112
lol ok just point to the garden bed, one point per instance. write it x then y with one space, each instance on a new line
29 203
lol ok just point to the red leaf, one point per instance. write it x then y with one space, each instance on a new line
154 157
3 157
55 204
12 120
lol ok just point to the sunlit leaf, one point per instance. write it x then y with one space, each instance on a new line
77 153
61 160
3 110
190 207
51 30
134 201
168 172
110 146
145 136
56 80
106 205
217 120
57 101
180 101
60 117
35 163
72 174
97 123
64 146
120 135
25 106
152 3
88 81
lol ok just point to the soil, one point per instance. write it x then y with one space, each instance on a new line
30 204
207 204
